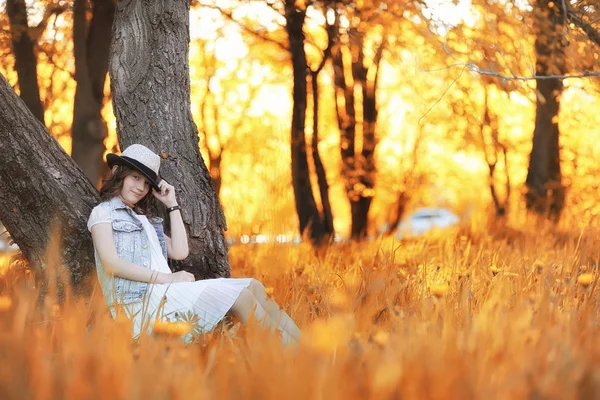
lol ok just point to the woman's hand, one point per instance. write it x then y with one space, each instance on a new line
166 194
180 276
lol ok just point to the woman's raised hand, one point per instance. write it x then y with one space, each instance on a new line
181 276
166 194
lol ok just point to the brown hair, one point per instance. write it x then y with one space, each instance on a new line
112 187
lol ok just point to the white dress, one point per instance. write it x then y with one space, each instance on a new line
206 300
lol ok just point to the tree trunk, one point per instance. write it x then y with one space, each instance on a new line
150 85
306 207
25 59
42 189
359 169
91 47
319 167
545 192
491 158
346 117
369 121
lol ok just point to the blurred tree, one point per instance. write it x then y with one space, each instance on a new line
545 192
310 220
91 43
317 226
331 23
41 190
150 85
497 47
494 150
216 107
24 39
355 71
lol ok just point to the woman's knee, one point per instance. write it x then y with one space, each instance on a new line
246 297
257 288
244 303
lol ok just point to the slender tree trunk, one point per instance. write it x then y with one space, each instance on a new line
369 121
346 117
397 212
91 48
150 85
306 207
545 192
25 58
42 189
491 157
319 167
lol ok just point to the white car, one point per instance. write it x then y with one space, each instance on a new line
426 219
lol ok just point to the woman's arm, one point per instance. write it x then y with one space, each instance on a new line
102 236
177 244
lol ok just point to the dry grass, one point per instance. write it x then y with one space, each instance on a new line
509 315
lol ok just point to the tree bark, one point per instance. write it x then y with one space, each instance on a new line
25 58
150 85
306 207
91 47
41 190
545 192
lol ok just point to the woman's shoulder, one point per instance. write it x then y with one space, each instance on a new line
99 214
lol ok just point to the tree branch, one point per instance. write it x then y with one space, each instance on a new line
229 16
589 30
476 69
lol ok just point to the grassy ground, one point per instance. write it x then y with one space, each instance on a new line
468 314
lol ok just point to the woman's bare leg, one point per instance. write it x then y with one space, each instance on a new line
272 308
247 305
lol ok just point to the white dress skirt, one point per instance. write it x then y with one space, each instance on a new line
207 301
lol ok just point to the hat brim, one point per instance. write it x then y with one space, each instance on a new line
113 159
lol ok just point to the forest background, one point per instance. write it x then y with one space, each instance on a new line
487 107
437 100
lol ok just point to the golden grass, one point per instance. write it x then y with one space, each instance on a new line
508 315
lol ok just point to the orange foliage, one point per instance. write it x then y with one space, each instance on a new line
427 110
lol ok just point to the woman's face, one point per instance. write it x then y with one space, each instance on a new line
135 187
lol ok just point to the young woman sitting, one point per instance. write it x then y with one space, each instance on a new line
131 251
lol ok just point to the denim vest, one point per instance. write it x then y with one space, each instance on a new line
132 245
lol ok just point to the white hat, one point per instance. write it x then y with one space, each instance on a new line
141 158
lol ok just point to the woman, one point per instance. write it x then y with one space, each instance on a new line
131 253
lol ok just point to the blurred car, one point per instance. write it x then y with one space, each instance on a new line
424 220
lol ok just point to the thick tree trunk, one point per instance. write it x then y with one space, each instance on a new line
25 59
150 85
545 192
42 189
319 167
91 47
306 207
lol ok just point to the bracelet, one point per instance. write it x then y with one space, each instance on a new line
170 209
